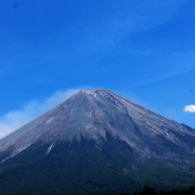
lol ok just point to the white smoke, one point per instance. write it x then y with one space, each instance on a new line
14 119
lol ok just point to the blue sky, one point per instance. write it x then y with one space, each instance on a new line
144 50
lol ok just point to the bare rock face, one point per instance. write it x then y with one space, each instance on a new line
93 114
98 124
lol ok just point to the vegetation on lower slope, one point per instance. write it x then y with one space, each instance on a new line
150 191
85 168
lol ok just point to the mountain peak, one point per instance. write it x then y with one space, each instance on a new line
95 92
94 114
90 96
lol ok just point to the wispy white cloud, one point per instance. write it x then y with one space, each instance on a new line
190 108
16 118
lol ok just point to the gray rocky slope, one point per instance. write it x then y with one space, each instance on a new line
93 114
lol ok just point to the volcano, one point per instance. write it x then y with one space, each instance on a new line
97 142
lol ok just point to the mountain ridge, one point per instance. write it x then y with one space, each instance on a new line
91 109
